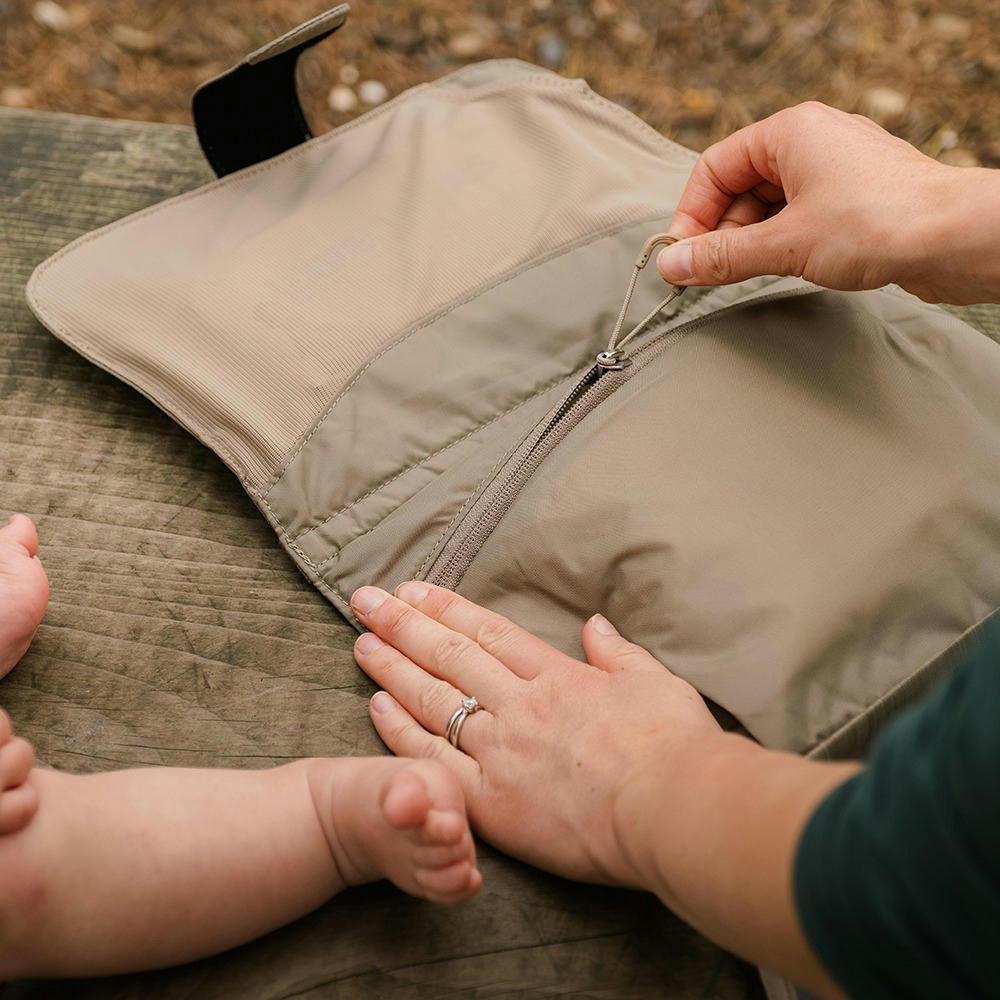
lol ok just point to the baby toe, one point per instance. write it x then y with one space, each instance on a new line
405 802
17 757
451 884
21 530
17 806
441 856
444 827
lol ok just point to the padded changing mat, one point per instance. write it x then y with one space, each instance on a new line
791 496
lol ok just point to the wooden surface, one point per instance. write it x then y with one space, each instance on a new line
179 633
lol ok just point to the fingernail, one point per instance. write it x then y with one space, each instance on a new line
365 600
603 625
674 262
382 702
412 591
368 642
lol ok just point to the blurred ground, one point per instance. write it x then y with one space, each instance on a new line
695 69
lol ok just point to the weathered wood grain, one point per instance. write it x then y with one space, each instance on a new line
180 633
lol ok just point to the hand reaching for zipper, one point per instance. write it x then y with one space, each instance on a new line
834 198
610 771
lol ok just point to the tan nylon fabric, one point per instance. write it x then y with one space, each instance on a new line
797 505
408 452
796 508
246 306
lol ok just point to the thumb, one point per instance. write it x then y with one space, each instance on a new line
609 651
727 255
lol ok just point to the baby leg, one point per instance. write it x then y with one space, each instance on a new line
145 868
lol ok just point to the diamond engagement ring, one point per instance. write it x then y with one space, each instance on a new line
468 707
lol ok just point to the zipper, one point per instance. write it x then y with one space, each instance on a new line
611 370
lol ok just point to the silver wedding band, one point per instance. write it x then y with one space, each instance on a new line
468 707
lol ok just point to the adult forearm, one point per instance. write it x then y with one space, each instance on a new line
147 868
956 244
713 831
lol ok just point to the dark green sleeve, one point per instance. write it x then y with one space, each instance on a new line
897 874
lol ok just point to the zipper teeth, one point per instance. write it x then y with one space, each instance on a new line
500 502
582 394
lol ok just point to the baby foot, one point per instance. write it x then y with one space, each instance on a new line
24 589
399 819
18 800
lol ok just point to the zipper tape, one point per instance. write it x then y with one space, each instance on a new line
596 385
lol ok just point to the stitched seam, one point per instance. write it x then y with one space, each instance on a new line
469 296
638 125
337 549
428 457
275 161
684 329
221 182
518 83
465 506
330 590
635 124
325 587
180 414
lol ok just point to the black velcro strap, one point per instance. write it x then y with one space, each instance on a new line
252 112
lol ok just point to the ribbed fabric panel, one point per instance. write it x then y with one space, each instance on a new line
245 307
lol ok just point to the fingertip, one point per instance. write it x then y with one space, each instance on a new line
367 643
366 600
597 631
382 703
675 263
412 592
601 625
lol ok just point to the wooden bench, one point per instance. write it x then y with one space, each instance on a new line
179 633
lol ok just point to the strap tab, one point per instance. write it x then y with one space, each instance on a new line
252 112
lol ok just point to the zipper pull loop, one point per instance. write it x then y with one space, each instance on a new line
666 239
614 358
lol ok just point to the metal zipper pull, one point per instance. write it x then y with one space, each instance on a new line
613 358
613 361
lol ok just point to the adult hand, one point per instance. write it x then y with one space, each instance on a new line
557 740
608 771
835 199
